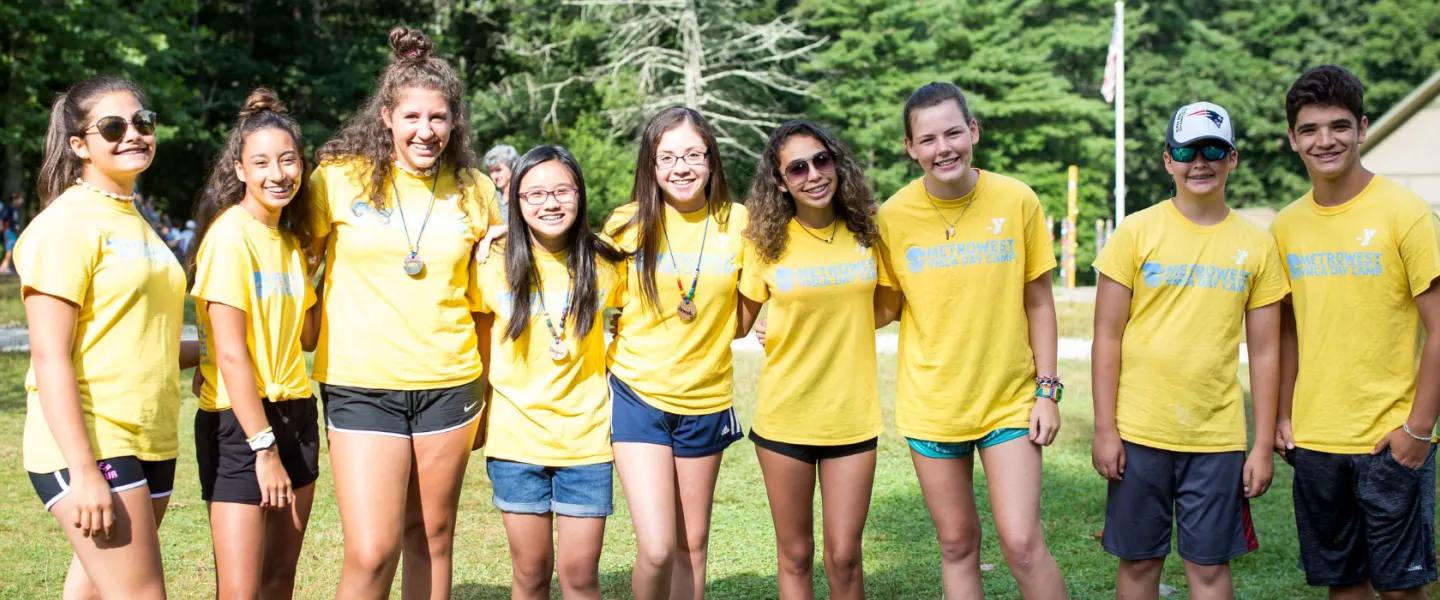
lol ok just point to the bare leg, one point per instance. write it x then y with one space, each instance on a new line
128 561
948 485
790 486
284 538
647 476
1012 470
532 555
695 478
370 473
434 495
845 486
581 540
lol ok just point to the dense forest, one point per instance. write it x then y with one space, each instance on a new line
586 73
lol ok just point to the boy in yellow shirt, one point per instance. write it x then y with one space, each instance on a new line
1177 281
1355 419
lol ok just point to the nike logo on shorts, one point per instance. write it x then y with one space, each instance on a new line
471 405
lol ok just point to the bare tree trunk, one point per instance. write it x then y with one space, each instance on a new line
694 53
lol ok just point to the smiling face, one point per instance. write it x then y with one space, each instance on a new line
681 182
1327 138
122 160
420 124
548 202
817 188
271 167
1201 177
942 140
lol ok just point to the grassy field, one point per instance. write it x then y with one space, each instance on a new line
901 555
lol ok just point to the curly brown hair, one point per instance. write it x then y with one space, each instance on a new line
413 64
771 208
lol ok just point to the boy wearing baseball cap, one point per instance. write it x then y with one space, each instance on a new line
1356 416
1178 281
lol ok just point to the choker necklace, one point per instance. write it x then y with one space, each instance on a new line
426 173
111 195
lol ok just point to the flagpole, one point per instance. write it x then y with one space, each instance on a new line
1120 116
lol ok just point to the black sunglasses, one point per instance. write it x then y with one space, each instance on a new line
798 171
113 128
1210 152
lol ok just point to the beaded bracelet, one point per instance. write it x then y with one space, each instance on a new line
1050 388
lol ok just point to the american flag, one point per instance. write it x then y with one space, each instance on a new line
1117 45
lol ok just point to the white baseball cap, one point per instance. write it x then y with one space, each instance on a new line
1197 122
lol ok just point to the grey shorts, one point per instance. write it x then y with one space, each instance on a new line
401 413
1364 518
1202 493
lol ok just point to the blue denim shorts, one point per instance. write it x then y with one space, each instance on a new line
930 449
579 491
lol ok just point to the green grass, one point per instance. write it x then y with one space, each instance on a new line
901 555
12 309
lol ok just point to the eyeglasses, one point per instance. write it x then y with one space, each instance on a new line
563 195
113 128
799 170
1210 152
665 161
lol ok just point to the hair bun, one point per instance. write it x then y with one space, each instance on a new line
263 99
410 44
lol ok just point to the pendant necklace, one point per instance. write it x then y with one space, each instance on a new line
413 264
834 226
686 310
558 351
949 225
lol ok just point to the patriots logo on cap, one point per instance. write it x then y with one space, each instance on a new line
1209 114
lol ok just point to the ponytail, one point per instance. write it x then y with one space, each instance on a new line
61 167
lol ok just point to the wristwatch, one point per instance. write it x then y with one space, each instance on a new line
265 440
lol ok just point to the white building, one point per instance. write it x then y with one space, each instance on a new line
1404 144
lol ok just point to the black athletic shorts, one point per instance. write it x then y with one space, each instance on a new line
1362 517
402 413
813 454
1203 492
123 473
227 464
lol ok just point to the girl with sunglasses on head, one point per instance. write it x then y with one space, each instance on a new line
1178 282
811 253
399 207
103 299
257 437
967 254
670 360
548 451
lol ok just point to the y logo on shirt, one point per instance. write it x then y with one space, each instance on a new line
996 225
1240 256
1364 239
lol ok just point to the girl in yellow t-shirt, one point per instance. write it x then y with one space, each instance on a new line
549 446
257 437
103 298
670 360
811 254
967 253
398 210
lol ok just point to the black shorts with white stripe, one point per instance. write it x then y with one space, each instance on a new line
122 472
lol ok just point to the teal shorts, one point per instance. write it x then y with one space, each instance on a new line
930 449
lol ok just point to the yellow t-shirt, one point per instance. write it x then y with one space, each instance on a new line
678 367
246 265
1179 359
101 255
822 296
1355 270
965 367
547 412
381 328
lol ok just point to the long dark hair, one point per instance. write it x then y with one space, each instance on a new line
223 190
650 204
771 208
413 64
71 111
584 246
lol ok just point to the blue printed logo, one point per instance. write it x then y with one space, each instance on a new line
1153 272
1334 264
275 283
915 259
784 279
360 208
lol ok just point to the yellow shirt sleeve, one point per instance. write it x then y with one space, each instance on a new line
752 276
1117 260
1420 252
317 194
886 271
1270 285
57 264
223 270
1039 252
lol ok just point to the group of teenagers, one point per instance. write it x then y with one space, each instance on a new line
401 265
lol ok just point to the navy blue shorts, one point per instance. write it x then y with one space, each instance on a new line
689 436
578 491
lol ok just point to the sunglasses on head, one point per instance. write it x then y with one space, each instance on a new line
1210 152
799 170
113 128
